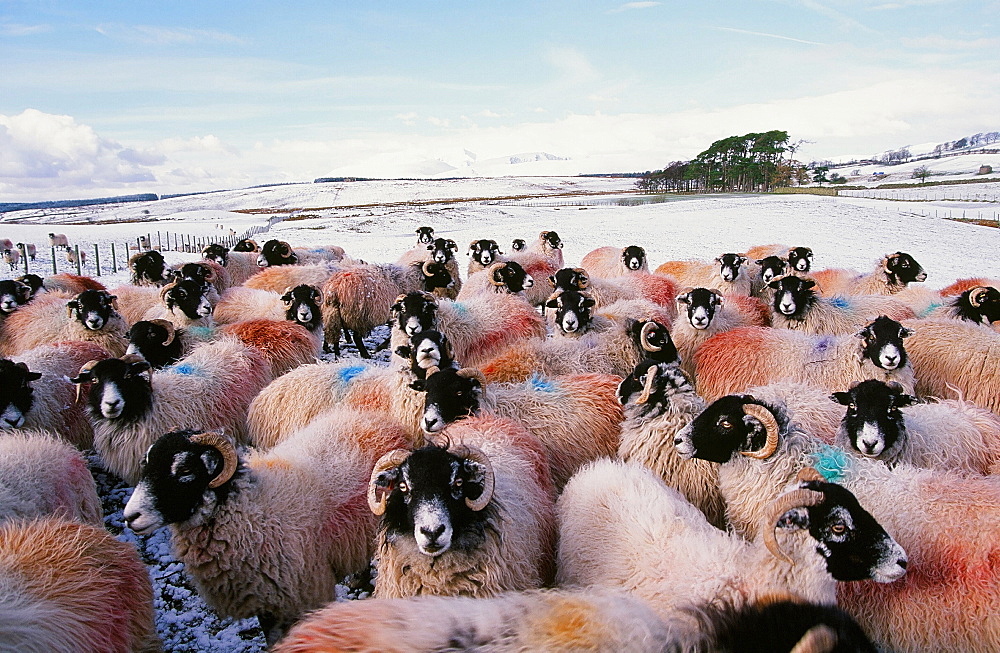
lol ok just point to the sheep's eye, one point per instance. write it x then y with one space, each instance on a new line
838 529
726 424
404 488
457 482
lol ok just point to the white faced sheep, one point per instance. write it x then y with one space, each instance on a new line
54 317
542 621
472 518
735 360
620 527
59 241
540 260
41 475
659 401
6 243
37 393
209 388
478 329
359 298
610 262
12 257
441 251
883 422
575 417
702 313
240 266
68 586
727 274
892 274
950 355
266 534
947 600
796 305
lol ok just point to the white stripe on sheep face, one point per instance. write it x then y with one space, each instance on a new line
12 417
872 440
112 402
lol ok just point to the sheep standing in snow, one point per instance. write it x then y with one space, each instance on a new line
540 260
57 316
482 254
440 251
58 241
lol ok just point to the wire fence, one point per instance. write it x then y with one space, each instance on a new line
922 195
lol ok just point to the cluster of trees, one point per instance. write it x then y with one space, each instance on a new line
976 140
750 163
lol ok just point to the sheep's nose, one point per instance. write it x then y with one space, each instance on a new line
430 423
869 445
432 534
902 563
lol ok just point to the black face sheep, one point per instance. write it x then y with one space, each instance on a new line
503 277
425 235
471 519
209 388
56 316
68 586
159 342
727 274
518 245
609 262
246 245
980 305
893 273
209 274
239 266
148 269
604 291
59 241
12 295
540 260
34 282
796 305
276 252
186 303
426 350
483 253
620 527
266 534
928 512
735 360
885 423
440 251
12 257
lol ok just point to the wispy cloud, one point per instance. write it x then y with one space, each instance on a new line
905 4
17 29
573 65
634 5
153 35
766 35
938 42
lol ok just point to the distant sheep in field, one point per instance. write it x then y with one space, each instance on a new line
71 257
29 249
68 586
12 257
892 274
6 243
59 241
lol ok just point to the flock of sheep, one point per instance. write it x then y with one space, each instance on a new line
738 454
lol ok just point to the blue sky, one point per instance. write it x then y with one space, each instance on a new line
153 97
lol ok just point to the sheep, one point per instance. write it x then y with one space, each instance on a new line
42 475
540 260
37 393
949 354
554 621
796 305
284 344
427 350
609 262
59 241
441 251
68 586
72 256
143 242
724 274
12 258
574 315
279 252
66 282
483 253
266 534
425 235
576 417
208 273
946 434
159 342
658 401
13 294
979 304
210 387
701 314
6 243
135 301
56 316
239 265
277 278
242 303
518 245
892 274
961 285
478 329
185 303
762 272
148 269
500 277
735 360
360 297
246 245
655 288
947 601
621 528
471 518
799 259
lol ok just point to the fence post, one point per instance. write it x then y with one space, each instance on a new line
54 270
24 255
114 260
159 242
97 259
79 271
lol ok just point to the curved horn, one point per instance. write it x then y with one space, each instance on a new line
794 499
394 458
286 291
69 311
493 269
809 474
433 369
647 387
583 279
477 456
647 329
166 289
424 268
219 442
472 373
765 417
169 326
317 294
285 248
818 639
977 295
89 365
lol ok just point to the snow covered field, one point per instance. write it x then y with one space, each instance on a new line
375 221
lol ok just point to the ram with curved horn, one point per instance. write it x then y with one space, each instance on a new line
620 527
502 277
979 304
441 252
482 254
287 526
471 518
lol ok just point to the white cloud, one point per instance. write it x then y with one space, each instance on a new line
634 5
572 65
153 35
765 34
17 29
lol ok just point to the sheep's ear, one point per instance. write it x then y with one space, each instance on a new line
759 261
774 283
684 298
905 332
843 398
417 385
904 400
794 518
136 368
552 303
403 351
552 280
808 283
386 479
588 302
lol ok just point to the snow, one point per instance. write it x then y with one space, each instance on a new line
376 220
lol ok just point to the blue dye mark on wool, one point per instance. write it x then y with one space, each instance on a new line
460 308
541 383
348 374
186 369
831 462
840 302
930 309
201 332
824 343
